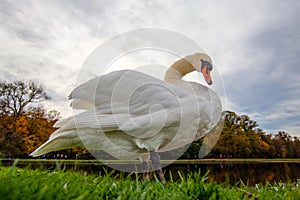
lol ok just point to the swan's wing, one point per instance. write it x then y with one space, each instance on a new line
64 140
145 101
142 126
133 102
125 91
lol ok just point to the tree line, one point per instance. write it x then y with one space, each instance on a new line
25 125
241 138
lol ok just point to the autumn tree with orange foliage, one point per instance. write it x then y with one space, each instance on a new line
241 138
24 125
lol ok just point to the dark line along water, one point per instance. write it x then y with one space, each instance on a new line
250 173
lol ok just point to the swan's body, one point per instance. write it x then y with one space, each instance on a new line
129 114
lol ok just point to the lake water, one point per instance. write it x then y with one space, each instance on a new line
250 173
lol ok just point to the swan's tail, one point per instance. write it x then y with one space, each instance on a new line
63 140
88 129
84 126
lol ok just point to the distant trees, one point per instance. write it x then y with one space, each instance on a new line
23 125
286 145
15 96
22 135
241 138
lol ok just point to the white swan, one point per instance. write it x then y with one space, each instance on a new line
129 114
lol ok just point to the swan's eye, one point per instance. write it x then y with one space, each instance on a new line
207 65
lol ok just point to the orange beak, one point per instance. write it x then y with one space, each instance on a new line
206 74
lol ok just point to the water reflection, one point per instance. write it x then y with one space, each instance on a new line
249 173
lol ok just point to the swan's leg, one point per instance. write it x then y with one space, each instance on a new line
155 160
146 169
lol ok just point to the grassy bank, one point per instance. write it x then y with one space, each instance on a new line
18 183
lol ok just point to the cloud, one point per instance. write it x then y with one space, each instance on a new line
41 42
255 46
294 130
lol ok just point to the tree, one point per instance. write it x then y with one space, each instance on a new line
16 105
296 147
266 143
15 96
39 128
284 144
27 132
10 141
240 137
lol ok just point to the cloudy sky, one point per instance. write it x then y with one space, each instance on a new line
255 46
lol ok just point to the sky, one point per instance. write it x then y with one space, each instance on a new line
255 46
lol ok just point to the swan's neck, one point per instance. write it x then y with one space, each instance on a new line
178 70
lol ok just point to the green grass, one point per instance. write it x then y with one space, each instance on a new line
16 183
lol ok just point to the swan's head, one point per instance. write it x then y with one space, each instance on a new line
206 67
202 63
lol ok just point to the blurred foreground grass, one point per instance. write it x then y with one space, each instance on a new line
16 183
